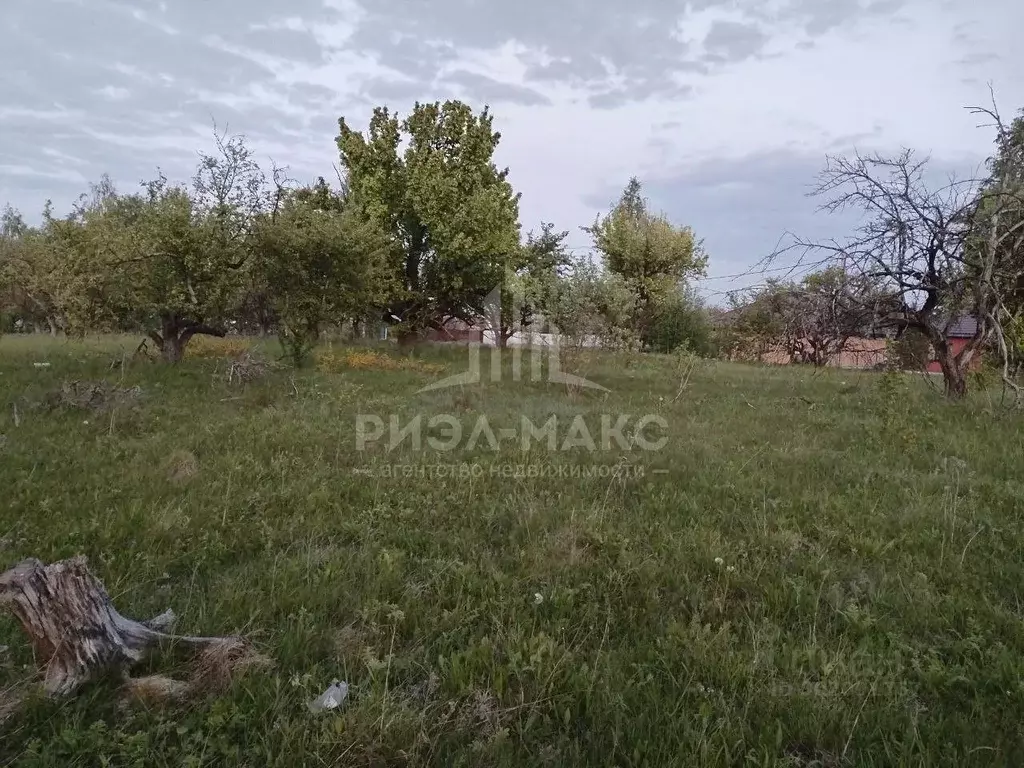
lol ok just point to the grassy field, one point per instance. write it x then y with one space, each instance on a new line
816 569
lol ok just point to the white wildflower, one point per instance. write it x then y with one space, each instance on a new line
538 598
719 561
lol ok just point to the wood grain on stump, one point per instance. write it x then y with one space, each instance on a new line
77 633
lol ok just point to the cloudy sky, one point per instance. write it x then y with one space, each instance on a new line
724 108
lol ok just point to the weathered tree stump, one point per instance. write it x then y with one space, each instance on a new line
78 634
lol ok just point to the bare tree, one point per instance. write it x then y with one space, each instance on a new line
939 253
812 320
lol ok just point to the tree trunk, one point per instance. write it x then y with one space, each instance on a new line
75 629
954 376
173 350
175 335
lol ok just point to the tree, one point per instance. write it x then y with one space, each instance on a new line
170 259
13 263
451 213
827 309
34 270
653 256
810 321
592 307
530 282
1003 219
753 325
163 268
46 266
324 261
939 252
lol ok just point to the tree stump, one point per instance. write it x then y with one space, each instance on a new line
78 634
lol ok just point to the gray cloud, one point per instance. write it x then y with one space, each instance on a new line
821 16
733 41
618 97
399 94
122 86
293 44
492 90
622 53
633 44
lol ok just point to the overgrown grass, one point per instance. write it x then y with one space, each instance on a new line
817 569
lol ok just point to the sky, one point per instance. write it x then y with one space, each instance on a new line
725 109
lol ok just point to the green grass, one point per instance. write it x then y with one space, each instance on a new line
825 570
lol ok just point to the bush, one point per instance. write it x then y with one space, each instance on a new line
681 326
910 352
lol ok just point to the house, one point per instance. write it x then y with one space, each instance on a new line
960 332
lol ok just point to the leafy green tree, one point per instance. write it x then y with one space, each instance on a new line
46 280
651 254
593 307
12 261
157 259
324 261
756 322
171 259
450 212
36 273
531 280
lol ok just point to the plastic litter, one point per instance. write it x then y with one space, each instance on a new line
332 698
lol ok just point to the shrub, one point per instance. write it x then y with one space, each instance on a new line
680 325
910 352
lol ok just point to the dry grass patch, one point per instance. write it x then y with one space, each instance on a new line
333 361
181 466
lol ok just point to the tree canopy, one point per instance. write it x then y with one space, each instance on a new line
424 228
451 213
654 257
